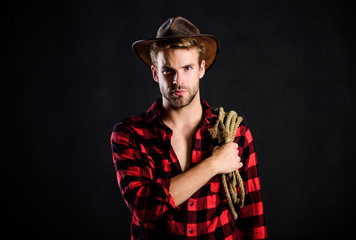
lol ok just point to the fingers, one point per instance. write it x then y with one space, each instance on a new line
227 148
240 163
233 146
227 157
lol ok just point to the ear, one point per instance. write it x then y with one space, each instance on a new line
154 73
202 69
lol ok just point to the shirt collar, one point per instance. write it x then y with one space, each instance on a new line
153 113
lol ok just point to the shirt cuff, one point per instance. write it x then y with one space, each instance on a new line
167 197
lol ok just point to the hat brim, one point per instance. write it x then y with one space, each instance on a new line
142 48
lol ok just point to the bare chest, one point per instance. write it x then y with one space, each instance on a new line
182 146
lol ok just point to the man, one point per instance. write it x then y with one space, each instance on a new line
168 167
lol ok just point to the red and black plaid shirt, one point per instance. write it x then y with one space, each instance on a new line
145 162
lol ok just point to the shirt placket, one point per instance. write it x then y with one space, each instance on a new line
191 230
192 206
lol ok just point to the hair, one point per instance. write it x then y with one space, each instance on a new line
182 43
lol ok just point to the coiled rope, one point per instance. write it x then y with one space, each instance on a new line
224 131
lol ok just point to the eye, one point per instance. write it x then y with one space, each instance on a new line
188 68
167 71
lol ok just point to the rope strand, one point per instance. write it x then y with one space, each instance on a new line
224 131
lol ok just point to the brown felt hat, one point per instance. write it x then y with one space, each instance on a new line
176 28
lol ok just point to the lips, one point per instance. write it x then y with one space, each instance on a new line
179 92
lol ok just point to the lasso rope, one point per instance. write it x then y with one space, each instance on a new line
224 131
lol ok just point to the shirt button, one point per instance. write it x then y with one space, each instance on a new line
191 204
191 231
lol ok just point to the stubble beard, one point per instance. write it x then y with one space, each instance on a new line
180 101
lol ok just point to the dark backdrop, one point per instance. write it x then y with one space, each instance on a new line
70 75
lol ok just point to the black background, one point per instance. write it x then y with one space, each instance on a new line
70 75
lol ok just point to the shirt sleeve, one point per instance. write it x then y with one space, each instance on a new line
147 198
251 217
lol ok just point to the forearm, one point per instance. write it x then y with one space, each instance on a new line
224 159
184 185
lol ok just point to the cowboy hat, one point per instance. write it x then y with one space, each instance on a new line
177 28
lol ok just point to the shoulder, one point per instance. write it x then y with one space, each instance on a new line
244 133
141 121
129 128
242 128
129 122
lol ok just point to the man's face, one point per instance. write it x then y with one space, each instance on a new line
178 73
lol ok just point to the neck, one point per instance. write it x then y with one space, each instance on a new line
188 116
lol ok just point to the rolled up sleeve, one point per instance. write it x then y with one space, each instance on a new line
147 198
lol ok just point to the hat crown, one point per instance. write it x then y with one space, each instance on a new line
177 26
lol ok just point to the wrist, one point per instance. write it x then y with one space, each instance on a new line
212 166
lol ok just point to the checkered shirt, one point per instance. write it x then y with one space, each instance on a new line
145 162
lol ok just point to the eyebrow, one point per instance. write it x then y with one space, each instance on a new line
184 66
188 65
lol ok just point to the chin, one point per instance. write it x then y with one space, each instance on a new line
180 102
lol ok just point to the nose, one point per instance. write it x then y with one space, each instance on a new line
177 78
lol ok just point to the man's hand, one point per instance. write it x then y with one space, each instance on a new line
225 158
